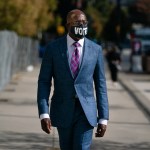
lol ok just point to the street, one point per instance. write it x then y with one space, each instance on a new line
128 127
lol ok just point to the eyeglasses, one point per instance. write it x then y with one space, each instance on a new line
79 22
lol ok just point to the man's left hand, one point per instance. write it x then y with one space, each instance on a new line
100 130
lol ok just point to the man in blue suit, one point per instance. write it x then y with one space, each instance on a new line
74 62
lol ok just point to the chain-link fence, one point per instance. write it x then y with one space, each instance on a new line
16 53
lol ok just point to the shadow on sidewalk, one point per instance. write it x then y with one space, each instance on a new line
33 141
27 141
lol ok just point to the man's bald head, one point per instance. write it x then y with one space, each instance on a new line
76 24
74 14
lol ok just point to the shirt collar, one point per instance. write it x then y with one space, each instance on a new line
70 41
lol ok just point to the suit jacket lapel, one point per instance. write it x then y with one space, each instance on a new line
63 49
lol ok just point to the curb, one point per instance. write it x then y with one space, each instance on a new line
142 102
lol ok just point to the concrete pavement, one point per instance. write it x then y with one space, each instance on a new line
128 128
138 86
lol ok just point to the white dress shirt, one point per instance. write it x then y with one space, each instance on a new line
70 48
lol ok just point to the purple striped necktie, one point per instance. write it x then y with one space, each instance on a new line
74 64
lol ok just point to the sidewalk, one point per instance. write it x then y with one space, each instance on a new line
128 128
138 85
19 122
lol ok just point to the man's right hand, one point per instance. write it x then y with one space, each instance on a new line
46 125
